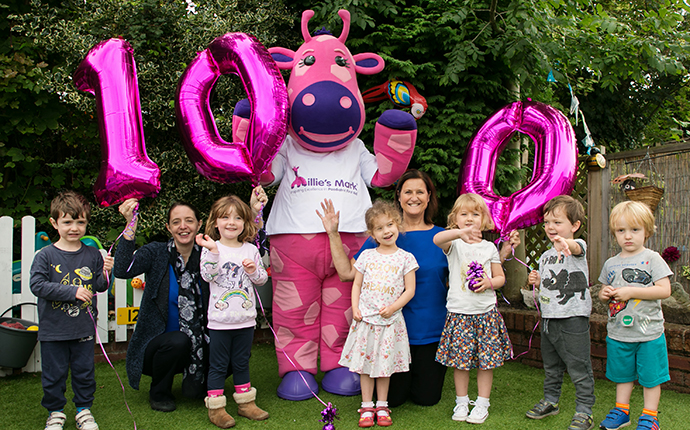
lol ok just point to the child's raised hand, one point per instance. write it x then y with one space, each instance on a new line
108 263
330 217
84 295
259 199
471 234
206 241
534 278
249 265
561 246
508 246
514 239
127 209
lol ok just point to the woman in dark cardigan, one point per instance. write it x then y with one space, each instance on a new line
170 335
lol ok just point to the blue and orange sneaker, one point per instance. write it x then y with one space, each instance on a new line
616 419
647 422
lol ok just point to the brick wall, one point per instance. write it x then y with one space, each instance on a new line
520 324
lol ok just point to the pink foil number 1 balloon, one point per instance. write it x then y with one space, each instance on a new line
109 72
555 162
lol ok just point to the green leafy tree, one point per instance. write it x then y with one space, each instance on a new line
469 58
165 36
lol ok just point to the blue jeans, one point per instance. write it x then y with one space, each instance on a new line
57 358
565 345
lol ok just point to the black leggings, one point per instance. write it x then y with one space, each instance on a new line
165 356
423 384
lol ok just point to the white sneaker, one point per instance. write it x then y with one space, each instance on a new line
55 421
460 411
85 420
479 413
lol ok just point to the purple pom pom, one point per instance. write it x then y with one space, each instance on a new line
329 415
475 273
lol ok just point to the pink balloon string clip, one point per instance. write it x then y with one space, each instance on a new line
331 412
105 354
130 227
534 297
536 305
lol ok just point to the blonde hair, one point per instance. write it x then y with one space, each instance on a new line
381 207
221 207
471 202
636 214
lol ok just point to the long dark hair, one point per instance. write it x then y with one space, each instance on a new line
432 207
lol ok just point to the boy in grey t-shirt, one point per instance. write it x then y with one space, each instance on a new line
565 304
634 283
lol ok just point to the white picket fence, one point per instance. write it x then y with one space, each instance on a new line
29 312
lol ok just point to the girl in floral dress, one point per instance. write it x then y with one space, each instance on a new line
475 335
377 345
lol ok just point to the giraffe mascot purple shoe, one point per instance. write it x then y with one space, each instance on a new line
312 308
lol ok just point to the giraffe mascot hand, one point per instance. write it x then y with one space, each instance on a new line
322 158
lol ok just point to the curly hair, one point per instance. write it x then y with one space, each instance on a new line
381 207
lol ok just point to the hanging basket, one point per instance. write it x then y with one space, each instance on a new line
650 195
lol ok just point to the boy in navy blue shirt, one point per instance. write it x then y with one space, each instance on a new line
64 277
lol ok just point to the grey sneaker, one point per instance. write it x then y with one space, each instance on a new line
542 409
581 421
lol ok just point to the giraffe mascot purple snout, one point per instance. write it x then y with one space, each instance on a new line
312 308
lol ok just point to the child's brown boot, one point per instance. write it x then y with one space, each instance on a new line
217 414
246 406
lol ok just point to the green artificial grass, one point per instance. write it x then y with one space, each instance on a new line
516 389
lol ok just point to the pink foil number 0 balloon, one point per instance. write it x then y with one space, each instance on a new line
555 162
214 158
109 73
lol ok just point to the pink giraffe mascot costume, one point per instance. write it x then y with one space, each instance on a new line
311 306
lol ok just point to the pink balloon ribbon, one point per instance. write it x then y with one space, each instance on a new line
555 162
213 157
105 354
109 73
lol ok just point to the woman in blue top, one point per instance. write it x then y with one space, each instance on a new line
425 314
